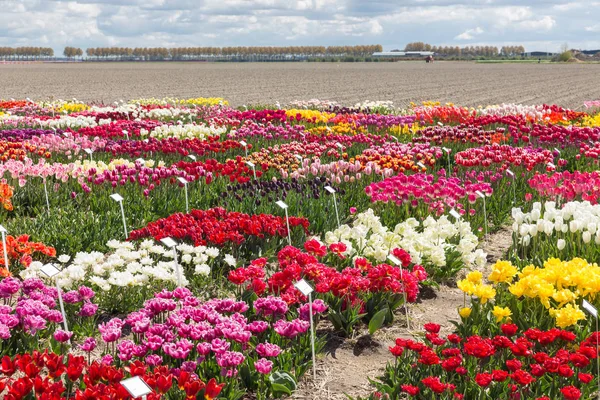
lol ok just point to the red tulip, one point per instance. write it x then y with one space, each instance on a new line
213 389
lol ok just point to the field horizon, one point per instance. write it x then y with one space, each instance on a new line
464 83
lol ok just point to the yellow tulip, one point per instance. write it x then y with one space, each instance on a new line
465 312
485 293
475 277
466 286
567 316
501 313
502 272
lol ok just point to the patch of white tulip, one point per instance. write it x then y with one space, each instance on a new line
567 232
186 131
428 242
131 267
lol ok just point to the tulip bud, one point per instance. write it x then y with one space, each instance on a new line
561 244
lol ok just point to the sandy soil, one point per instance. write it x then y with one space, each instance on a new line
463 83
345 367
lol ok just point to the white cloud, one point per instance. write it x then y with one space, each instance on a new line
469 34
593 28
543 24
392 23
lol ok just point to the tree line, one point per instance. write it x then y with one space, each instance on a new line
194 53
487 51
71 52
25 52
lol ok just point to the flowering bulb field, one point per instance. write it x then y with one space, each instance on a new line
210 250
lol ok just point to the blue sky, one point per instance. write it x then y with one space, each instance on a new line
538 25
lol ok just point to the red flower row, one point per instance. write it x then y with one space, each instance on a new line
115 129
45 374
218 227
514 363
184 147
350 284
237 170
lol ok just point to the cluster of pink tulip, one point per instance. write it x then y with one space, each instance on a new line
505 156
439 194
70 146
568 186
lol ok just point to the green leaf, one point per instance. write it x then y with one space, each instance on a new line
278 388
377 321
283 378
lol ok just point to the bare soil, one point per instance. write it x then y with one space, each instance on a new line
464 83
347 364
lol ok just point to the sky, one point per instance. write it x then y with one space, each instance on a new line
543 25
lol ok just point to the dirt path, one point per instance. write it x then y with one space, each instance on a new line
346 365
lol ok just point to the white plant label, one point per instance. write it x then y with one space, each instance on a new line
243 143
447 150
590 308
89 151
169 242
480 194
420 164
340 146
394 259
508 171
304 287
182 180
141 160
3 229
557 150
455 214
440 123
281 204
250 164
116 197
298 156
49 270
192 157
551 165
136 387
330 189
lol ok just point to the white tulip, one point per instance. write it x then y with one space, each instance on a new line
548 228
533 230
524 230
574 226
561 244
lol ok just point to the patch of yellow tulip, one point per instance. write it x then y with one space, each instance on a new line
310 115
591 120
72 108
559 286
